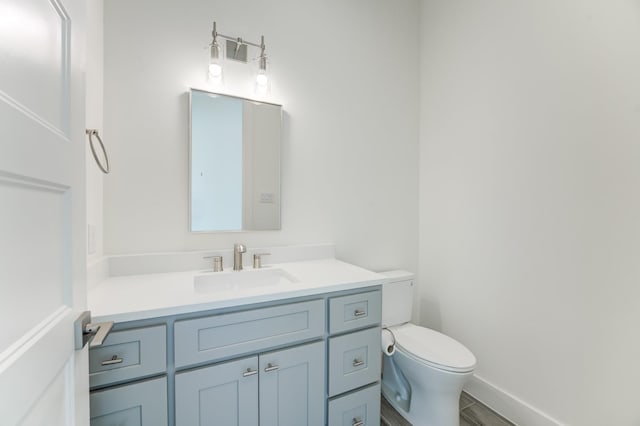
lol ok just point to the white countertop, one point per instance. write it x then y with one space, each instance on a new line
136 297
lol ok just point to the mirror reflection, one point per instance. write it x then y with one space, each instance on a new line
234 163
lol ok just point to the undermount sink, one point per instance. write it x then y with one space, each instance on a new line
246 279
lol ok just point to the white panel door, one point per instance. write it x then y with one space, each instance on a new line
43 380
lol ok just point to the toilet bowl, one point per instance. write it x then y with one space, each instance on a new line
423 379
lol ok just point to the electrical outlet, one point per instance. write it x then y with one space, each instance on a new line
266 198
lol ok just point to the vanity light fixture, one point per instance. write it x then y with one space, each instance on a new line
262 78
236 49
215 65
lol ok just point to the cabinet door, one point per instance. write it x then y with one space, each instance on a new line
292 386
138 404
223 394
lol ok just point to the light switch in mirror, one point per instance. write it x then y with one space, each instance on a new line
234 163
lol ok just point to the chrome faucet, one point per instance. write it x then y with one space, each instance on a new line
238 249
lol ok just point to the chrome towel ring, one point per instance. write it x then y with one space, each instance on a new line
91 133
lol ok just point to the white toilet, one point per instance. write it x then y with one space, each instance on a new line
423 379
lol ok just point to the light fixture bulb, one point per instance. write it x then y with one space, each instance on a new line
215 71
215 66
262 79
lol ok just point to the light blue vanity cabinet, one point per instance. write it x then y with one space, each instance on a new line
215 337
356 408
354 359
226 392
292 386
302 361
129 356
279 388
138 404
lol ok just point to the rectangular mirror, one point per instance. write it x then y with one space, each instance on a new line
234 163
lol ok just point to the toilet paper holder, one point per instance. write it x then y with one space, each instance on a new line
388 342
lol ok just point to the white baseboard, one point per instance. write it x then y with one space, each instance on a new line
507 405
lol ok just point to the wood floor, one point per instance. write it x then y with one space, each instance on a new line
472 413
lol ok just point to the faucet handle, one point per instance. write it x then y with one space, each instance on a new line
257 259
217 262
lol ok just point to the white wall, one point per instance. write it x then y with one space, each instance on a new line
94 120
529 202
346 73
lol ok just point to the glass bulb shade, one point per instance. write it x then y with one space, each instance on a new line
215 70
262 79
215 63
215 51
263 84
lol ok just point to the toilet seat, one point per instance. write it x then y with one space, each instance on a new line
433 348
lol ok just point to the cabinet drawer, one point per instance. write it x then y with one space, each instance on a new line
205 339
138 404
128 354
354 360
361 408
355 311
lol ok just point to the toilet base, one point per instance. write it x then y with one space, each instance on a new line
435 394
453 419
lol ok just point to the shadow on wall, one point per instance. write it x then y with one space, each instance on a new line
430 315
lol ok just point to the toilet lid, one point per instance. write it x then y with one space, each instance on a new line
433 348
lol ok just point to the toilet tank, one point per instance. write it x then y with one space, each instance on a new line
397 298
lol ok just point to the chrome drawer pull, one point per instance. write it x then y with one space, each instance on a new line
114 360
357 422
249 372
359 313
271 367
358 362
